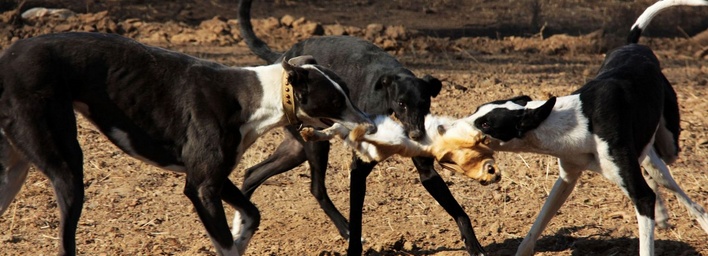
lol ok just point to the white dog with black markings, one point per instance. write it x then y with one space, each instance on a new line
625 118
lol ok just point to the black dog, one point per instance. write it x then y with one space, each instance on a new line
624 118
380 85
168 109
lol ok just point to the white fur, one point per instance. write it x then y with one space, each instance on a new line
391 132
564 134
646 17
567 136
660 173
270 114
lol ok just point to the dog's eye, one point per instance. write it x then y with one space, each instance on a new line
486 125
402 104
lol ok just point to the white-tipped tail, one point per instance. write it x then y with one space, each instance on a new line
646 17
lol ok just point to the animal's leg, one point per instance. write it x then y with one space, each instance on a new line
565 184
437 188
625 171
204 189
661 214
13 172
289 154
245 228
389 146
658 170
44 131
312 134
317 157
360 170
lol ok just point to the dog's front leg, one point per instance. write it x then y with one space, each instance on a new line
360 170
565 184
312 134
437 188
245 226
206 189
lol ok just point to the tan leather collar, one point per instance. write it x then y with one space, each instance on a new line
289 101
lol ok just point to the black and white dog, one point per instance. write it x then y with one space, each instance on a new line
379 85
625 118
168 109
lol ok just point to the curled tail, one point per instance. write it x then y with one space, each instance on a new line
256 45
646 17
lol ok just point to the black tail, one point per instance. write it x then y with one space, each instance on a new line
256 45
648 14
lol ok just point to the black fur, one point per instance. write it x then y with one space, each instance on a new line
169 109
378 84
626 105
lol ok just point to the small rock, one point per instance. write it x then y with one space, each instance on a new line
287 20
335 30
408 246
41 12
311 29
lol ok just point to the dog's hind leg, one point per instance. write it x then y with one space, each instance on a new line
621 168
658 170
317 157
288 155
661 214
44 131
13 172
437 188
569 174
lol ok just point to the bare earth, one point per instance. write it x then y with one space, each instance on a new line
482 50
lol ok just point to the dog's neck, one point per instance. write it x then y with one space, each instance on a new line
288 99
271 113
565 130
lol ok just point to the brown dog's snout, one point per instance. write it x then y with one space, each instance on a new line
494 175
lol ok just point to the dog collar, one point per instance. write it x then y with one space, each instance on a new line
289 101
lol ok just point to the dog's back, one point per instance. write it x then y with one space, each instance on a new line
637 65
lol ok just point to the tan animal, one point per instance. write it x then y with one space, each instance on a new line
457 146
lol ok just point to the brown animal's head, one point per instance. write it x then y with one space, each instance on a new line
463 149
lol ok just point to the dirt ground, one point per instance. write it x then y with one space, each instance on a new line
481 50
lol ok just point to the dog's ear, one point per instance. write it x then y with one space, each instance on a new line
520 100
434 85
532 118
302 60
384 81
297 77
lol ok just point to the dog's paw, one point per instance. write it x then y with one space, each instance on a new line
308 134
